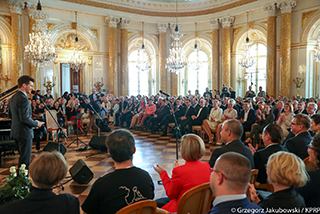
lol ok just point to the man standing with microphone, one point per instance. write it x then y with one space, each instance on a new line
20 112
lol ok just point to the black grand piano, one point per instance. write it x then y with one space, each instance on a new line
7 145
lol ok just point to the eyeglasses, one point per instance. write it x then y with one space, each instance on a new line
214 170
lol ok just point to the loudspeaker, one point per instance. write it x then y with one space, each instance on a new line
81 173
98 143
53 146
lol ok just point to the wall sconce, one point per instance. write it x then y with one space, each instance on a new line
98 85
48 84
298 81
240 80
5 77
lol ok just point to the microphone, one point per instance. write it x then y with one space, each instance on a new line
162 92
35 93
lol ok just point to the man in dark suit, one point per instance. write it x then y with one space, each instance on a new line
229 182
299 144
315 123
178 111
231 132
272 138
160 114
196 120
48 95
93 96
247 117
185 119
278 110
122 106
301 108
22 123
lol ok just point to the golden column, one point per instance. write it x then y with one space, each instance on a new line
271 10
113 62
285 46
124 57
163 55
17 45
174 76
215 54
226 23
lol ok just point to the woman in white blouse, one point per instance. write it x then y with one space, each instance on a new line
285 119
214 118
229 113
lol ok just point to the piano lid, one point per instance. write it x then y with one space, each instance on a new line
8 93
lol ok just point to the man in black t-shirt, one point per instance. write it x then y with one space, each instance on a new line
126 185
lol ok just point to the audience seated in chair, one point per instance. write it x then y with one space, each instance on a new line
285 171
230 135
126 185
229 181
272 138
311 191
247 117
186 176
46 170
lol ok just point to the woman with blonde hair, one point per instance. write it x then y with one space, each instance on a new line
215 117
285 170
184 177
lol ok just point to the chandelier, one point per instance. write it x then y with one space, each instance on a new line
39 50
196 63
176 60
246 61
143 63
76 60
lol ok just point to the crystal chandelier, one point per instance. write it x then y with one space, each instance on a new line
176 60
246 61
76 60
39 50
196 63
143 63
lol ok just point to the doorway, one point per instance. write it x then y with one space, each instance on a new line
70 79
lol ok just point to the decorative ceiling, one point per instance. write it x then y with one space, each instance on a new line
165 8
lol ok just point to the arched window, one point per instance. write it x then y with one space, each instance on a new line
138 80
193 79
256 74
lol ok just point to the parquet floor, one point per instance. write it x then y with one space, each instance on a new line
151 149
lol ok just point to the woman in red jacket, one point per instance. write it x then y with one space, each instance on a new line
184 177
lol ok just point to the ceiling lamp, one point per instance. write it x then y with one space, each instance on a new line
39 50
196 63
76 60
246 61
176 60
143 63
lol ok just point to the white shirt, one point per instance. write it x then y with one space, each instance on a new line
245 118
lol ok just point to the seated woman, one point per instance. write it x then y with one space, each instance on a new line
46 170
215 117
229 113
72 111
60 114
187 176
285 119
285 171
311 191
264 118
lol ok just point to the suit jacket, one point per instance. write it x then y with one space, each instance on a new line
184 177
48 96
163 111
20 112
303 112
203 115
261 157
311 191
189 112
180 111
285 199
276 112
91 97
233 146
226 207
43 201
251 119
299 144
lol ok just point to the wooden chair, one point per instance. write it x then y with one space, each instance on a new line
196 200
170 125
51 125
141 207
253 178
309 166
198 130
268 186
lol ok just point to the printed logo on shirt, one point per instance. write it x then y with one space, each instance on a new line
132 196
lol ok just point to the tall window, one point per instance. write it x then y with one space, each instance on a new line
195 79
138 80
257 73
